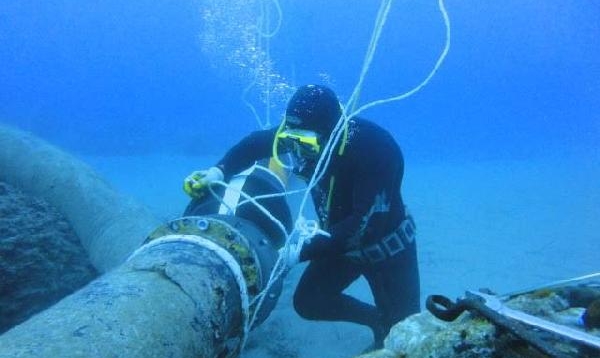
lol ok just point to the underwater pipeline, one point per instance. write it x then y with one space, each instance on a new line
186 288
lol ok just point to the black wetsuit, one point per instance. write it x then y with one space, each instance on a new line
365 205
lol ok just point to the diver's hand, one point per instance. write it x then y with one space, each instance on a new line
307 229
290 255
196 184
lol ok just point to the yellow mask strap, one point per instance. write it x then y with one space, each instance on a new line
275 154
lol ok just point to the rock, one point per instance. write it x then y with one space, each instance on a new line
41 261
470 335
422 335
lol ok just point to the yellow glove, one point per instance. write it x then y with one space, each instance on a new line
196 184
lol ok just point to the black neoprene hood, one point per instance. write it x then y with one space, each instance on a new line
314 107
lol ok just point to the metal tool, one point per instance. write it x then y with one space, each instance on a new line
519 323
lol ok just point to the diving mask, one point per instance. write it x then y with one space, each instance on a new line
300 142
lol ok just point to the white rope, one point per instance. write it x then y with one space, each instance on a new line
556 284
267 33
416 89
250 105
324 160
264 32
254 202
279 268
380 20
342 123
336 134
225 256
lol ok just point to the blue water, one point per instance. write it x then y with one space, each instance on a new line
112 77
140 89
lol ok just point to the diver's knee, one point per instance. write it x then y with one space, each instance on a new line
306 304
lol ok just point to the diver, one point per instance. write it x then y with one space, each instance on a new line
365 228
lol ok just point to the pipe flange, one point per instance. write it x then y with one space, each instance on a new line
223 234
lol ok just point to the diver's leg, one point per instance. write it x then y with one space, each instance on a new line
319 293
395 286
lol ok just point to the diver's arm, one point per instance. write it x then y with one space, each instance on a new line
257 145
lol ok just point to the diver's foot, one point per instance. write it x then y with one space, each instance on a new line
379 333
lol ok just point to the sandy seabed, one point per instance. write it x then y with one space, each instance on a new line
499 225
